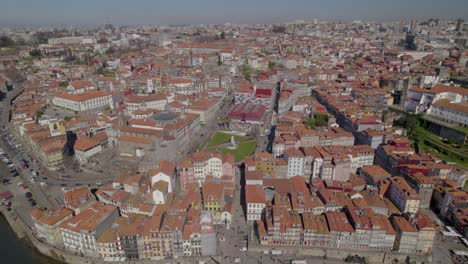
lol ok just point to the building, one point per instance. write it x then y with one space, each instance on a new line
144 102
296 162
255 202
78 199
79 234
421 100
85 148
206 164
406 235
451 112
247 117
373 174
85 101
47 223
207 109
403 196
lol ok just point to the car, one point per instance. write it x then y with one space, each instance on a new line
33 204
5 181
63 184
98 183
78 184
28 194
44 178
43 184
222 239
243 249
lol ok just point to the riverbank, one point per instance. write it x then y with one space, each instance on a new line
19 250
53 255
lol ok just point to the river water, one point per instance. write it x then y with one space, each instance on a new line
16 251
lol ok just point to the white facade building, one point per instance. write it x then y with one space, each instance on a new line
85 101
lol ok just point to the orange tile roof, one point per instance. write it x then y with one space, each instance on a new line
91 94
85 143
132 139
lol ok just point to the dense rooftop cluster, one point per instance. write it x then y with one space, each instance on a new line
320 100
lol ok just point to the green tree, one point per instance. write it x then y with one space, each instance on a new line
321 122
279 29
411 122
20 41
110 50
63 84
322 117
39 113
223 35
35 53
271 64
247 72
310 122
451 140
6 41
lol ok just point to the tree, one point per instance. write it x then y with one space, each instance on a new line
6 41
63 84
451 140
279 29
246 72
411 122
110 50
322 117
39 113
310 122
35 53
321 123
20 41
271 64
42 37
223 35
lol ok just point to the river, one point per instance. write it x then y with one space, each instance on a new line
18 251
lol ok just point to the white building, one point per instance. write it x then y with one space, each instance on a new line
296 162
451 112
255 202
85 148
79 234
89 100
152 101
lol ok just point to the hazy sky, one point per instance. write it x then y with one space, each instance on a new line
220 11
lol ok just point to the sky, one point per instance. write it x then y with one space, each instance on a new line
131 12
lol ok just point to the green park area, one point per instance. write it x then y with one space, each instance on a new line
245 146
445 149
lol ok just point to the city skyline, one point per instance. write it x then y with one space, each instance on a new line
53 12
